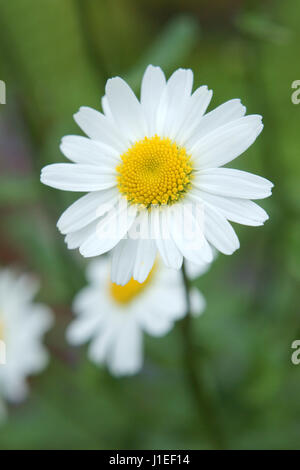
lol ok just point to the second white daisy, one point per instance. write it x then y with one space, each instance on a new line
114 317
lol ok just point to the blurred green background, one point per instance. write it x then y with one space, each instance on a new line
55 56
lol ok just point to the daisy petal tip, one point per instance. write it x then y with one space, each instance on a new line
80 251
62 145
234 247
85 252
237 246
181 72
41 177
140 278
268 188
208 257
116 280
178 266
259 128
233 250
78 112
258 119
44 174
79 115
111 82
152 67
76 117
61 226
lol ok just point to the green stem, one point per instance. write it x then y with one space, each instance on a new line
194 366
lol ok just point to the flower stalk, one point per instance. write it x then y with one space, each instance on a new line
195 377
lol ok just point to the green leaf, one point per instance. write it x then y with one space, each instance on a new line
169 49
262 27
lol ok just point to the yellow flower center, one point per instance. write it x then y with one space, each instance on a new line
125 294
154 171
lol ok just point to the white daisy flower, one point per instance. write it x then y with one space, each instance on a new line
22 325
158 160
114 317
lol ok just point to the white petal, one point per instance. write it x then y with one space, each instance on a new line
86 301
109 231
106 108
127 355
241 211
39 321
194 114
165 300
83 150
154 323
233 183
167 248
145 247
87 209
219 232
15 387
197 301
99 348
223 114
36 360
75 239
76 177
226 143
82 329
153 85
133 257
144 260
195 270
123 258
100 128
174 102
188 233
126 109
24 287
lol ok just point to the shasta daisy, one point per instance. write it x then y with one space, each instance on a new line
113 317
157 161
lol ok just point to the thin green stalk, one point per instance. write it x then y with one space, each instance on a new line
194 366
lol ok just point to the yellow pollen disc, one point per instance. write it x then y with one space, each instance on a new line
125 294
154 171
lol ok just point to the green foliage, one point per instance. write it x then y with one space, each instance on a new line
169 49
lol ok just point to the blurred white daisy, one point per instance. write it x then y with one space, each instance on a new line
159 160
22 326
114 317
